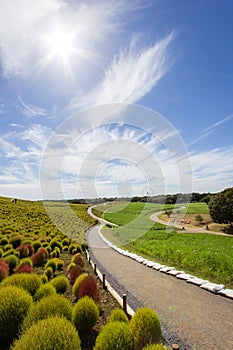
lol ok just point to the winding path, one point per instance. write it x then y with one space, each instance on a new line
201 319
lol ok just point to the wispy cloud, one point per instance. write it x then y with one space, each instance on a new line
206 132
132 74
30 110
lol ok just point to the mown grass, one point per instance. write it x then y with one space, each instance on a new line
204 255
194 208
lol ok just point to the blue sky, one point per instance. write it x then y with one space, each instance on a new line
59 58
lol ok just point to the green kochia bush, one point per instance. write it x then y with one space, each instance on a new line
114 336
118 315
146 328
60 283
53 305
44 291
28 281
12 260
78 283
14 305
48 272
54 333
85 314
51 263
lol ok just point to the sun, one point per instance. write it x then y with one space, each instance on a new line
59 43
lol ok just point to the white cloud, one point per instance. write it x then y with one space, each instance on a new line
206 132
30 110
132 74
20 24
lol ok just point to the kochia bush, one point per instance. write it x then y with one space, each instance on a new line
115 335
60 283
85 314
28 281
12 261
77 284
118 315
4 269
146 328
44 291
53 305
14 305
89 287
53 333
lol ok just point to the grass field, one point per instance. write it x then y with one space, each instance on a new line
204 255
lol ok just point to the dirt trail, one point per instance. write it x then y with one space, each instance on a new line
187 229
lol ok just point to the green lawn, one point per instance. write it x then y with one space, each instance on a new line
194 208
204 255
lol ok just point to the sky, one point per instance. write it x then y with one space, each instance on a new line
115 98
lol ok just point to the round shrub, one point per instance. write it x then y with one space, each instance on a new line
23 250
74 248
51 263
53 255
44 278
39 257
60 263
77 259
54 333
12 261
115 335
1 252
65 242
77 284
8 252
53 305
36 245
26 261
49 272
30 249
55 243
89 287
65 248
14 305
74 272
85 314
44 291
145 326
4 241
26 268
60 283
8 247
15 240
155 347
4 269
28 281
118 315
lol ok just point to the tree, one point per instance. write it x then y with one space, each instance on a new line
199 219
221 207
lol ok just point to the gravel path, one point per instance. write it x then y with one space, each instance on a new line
200 319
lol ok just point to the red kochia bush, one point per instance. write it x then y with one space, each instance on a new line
39 257
89 287
23 250
30 248
4 269
74 272
23 269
